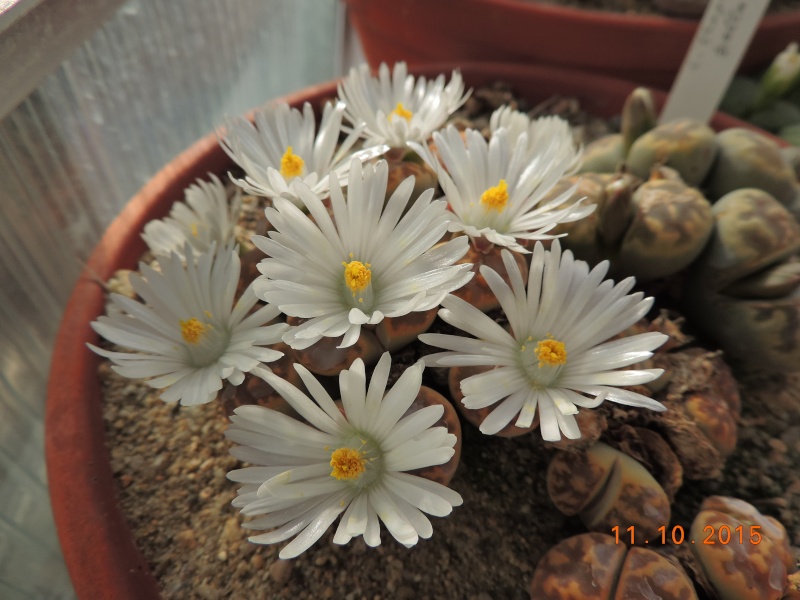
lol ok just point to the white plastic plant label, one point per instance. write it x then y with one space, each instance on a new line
713 57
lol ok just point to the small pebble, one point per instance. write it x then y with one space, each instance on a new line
778 445
231 532
280 571
186 538
257 561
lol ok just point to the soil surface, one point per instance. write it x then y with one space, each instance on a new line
171 464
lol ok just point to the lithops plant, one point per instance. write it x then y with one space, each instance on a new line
743 554
325 357
748 159
476 291
701 426
649 230
607 488
744 290
395 333
669 225
476 416
717 163
442 473
689 441
595 566
583 236
404 164
686 145
254 390
715 419
608 152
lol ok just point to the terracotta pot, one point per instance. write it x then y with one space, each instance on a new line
98 546
644 48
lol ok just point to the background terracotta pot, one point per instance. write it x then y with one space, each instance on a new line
644 48
98 546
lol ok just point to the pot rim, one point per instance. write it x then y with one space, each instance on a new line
608 18
604 18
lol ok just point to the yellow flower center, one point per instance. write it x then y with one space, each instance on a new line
192 330
551 353
291 164
357 275
401 111
195 229
496 198
347 463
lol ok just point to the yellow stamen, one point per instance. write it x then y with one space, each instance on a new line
401 111
291 164
551 353
347 463
192 330
195 231
496 198
357 275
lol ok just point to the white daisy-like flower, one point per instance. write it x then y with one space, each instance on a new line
495 187
550 133
186 335
204 219
366 263
515 122
395 107
282 149
555 355
353 461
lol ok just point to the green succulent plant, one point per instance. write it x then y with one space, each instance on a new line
744 290
649 229
739 256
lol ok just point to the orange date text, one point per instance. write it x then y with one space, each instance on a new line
722 535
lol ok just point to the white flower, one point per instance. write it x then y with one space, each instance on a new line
204 219
395 108
281 149
364 264
552 134
353 463
556 355
185 335
495 187
513 121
